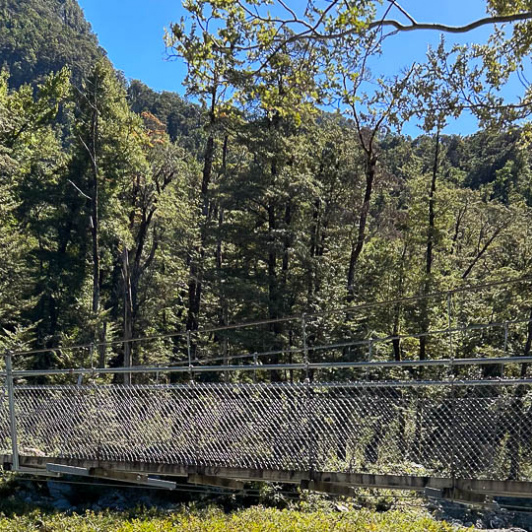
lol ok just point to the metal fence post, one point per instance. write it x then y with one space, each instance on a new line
449 324
189 351
12 417
454 429
454 398
305 346
506 337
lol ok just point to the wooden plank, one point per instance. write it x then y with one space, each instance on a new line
327 487
465 497
130 478
99 472
410 483
219 482
68 470
512 488
122 476
393 482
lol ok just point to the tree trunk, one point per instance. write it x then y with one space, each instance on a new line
430 251
514 426
273 291
95 222
223 310
358 244
287 243
195 285
128 312
314 238
92 148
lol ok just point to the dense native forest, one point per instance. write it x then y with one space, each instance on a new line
128 213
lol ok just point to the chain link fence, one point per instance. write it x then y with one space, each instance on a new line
481 430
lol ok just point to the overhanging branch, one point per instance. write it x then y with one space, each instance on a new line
518 17
399 27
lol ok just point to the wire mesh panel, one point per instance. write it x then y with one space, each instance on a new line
420 429
493 432
242 426
382 429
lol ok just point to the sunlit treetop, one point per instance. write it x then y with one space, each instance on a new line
241 46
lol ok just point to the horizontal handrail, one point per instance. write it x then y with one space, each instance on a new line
462 383
347 309
447 362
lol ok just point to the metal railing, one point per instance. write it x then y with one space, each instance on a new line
463 412
302 323
315 356
466 429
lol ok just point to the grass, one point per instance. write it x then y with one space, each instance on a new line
255 519
311 512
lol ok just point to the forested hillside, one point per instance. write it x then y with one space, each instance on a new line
38 37
144 214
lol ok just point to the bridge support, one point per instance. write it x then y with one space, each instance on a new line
463 490
118 476
217 482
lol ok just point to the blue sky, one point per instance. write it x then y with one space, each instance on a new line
132 33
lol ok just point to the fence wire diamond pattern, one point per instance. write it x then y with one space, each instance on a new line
418 429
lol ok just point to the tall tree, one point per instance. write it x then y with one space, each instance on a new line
108 152
28 145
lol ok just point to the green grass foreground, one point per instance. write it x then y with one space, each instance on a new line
254 519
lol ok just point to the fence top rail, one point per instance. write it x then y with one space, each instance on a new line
346 309
444 363
315 386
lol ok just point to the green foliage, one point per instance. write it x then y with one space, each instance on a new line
181 119
251 204
256 519
38 38
29 148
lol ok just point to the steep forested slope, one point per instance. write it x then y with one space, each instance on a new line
42 36
39 37
180 117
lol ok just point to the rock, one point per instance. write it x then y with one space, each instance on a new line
513 529
342 508
31 451
496 522
115 501
62 505
59 490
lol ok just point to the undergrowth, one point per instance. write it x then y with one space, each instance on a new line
256 519
309 512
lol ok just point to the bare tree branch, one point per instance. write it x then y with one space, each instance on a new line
79 190
87 149
434 26
403 11
414 26
483 250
